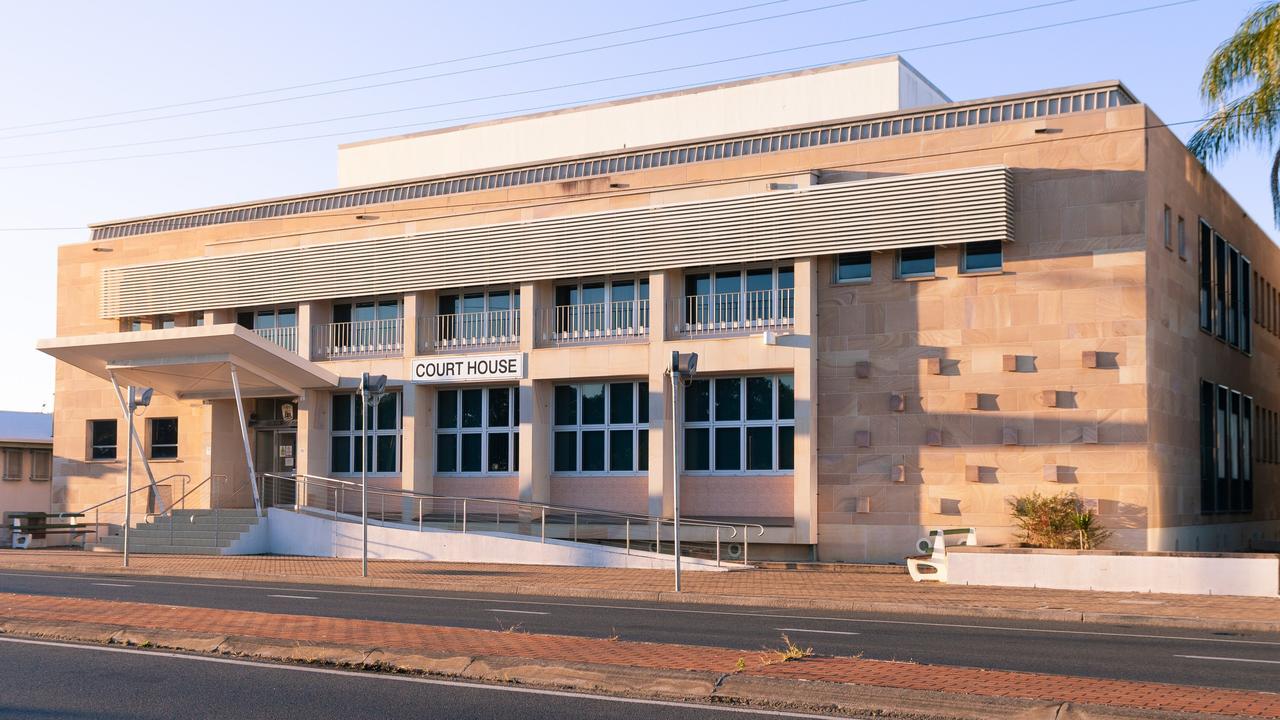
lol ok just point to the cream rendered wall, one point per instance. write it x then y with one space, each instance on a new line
842 91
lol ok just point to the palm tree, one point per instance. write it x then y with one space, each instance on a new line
1247 62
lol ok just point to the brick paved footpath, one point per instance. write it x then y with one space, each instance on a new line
454 642
849 591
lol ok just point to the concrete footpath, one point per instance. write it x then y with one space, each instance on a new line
765 678
849 591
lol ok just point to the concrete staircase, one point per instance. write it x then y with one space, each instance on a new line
191 532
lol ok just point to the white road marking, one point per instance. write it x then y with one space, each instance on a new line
1227 659
295 597
823 632
112 584
686 611
517 612
414 679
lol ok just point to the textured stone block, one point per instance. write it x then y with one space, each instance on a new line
1049 398
1009 363
933 436
1089 434
1089 359
1051 473
973 473
862 438
972 401
898 473
862 369
1009 436
933 366
897 402
862 505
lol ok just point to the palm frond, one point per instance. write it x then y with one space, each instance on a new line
1248 57
1254 118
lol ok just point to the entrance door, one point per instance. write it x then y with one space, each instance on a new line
276 452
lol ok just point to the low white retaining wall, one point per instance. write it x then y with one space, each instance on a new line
1256 575
302 534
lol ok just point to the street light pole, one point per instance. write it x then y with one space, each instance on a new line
128 478
371 391
683 368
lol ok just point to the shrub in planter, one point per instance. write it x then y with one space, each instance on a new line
1058 521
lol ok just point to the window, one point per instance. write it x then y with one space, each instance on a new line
1243 305
164 322
601 428
740 297
197 319
1182 238
468 318
984 255
164 438
1226 450
1206 277
268 319
1220 287
41 464
916 262
383 449
12 464
478 430
131 324
1233 296
603 307
740 424
102 439
1168 228
853 267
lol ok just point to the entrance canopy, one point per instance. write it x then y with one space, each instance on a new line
193 363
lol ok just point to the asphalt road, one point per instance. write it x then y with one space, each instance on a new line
52 680
1188 657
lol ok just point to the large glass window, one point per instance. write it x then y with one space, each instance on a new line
853 267
478 431
601 428
613 307
1220 286
482 316
740 296
983 256
102 439
164 438
382 453
740 424
1206 277
1243 305
916 262
1226 449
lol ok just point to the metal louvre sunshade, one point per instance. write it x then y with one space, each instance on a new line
884 213
192 363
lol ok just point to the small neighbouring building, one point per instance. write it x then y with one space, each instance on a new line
907 308
26 447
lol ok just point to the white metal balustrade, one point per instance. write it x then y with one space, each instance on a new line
474 330
735 312
285 337
626 320
360 339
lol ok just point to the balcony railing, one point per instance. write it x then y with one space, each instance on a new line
285 337
361 339
474 330
734 313
622 321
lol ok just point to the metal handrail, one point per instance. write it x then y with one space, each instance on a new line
173 505
135 490
539 510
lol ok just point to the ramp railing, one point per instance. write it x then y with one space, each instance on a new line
340 500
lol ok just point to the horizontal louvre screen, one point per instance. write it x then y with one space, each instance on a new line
884 213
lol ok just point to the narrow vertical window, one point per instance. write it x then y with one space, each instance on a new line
1219 287
1168 228
102 439
1246 313
1206 277
1182 238
1208 446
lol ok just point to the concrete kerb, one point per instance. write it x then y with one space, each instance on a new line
746 601
602 679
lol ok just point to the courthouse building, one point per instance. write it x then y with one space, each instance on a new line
907 309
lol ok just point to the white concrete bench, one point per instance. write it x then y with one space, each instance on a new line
933 564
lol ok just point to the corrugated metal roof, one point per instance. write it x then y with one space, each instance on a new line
27 427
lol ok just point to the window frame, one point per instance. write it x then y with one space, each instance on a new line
712 424
1168 228
839 263
13 470
151 439
1182 238
897 264
484 430
352 435
964 259
92 455
636 427
46 457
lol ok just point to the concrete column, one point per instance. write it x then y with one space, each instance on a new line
535 402
805 510
417 439
306 311
219 317
413 308
663 289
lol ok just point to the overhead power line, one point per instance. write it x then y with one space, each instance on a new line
549 88
392 71
434 76
277 141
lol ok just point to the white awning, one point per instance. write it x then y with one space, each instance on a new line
192 363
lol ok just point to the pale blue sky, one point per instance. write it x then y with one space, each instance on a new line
75 59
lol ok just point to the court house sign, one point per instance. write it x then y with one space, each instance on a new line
467 368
